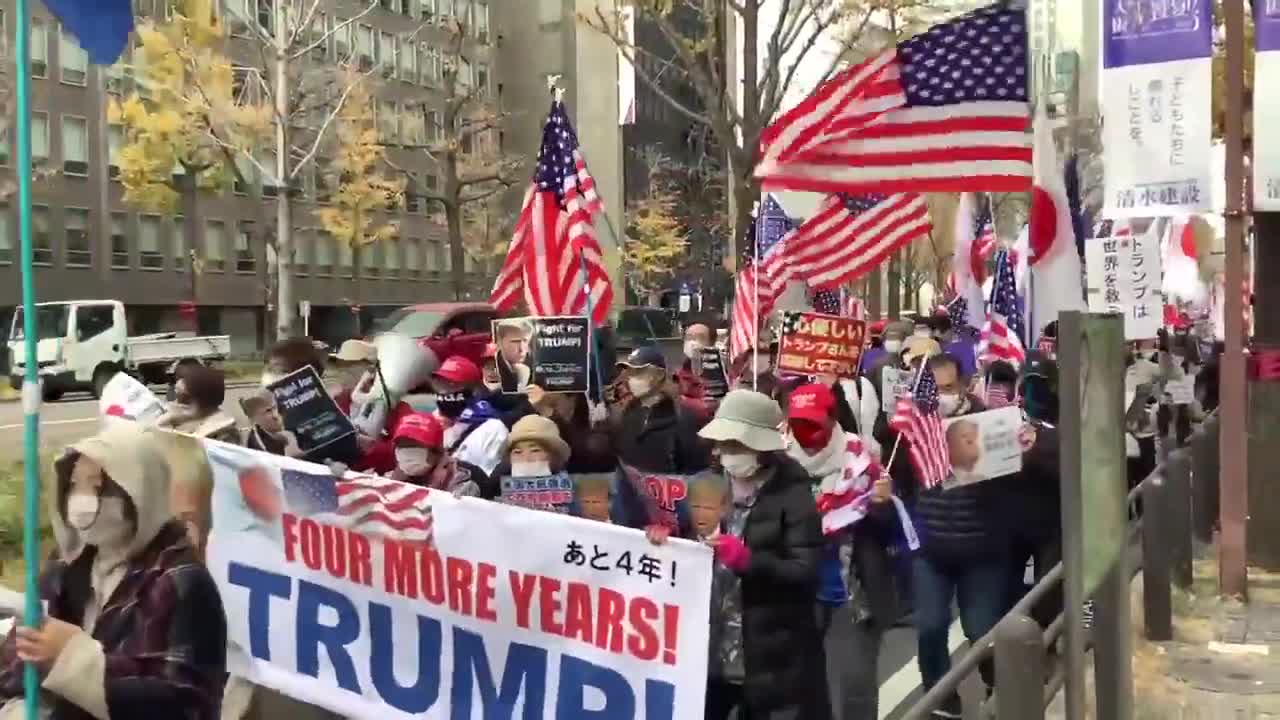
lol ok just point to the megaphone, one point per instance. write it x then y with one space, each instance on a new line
403 365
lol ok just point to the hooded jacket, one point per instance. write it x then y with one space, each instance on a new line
153 632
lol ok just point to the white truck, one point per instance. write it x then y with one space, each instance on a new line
82 344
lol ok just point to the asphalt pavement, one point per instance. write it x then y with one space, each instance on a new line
76 415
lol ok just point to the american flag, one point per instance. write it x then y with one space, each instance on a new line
944 111
917 421
845 503
984 241
958 312
767 230
366 504
1002 335
554 234
826 302
850 235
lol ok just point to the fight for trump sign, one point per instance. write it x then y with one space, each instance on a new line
380 600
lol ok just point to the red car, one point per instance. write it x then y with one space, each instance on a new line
449 328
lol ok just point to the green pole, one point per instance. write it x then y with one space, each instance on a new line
31 383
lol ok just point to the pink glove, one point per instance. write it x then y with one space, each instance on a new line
733 553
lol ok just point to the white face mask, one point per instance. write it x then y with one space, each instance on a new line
530 468
948 404
493 386
893 346
639 387
740 465
100 521
413 461
692 349
922 333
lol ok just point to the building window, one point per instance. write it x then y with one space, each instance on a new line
39 49
76 227
300 247
6 236
321 180
149 255
364 46
245 260
482 80
266 15
391 258
4 33
387 54
346 259
117 75
388 121
412 203
178 244
482 22
406 8
119 241
446 11
215 245
73 58
462 8
237 13
244 175
435 125
319 26
342 39
41 243
115 141
75 145
270 188
390 5
428 9
40 136
370 260
408 61
322 255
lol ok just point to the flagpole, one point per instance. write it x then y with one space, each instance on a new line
591 335
755 308
32 615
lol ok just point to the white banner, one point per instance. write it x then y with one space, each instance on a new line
334 596
1156 138
1266 117
1124 277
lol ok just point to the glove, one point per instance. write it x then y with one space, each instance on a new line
597 412
733 553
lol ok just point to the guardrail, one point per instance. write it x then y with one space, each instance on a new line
1174 510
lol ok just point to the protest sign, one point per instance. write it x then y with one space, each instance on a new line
126 398
1157 60
896 383
984 445
1124 277
1181 390
1266 107
712 373
813 343
553 493
333 597
644 498
318 424
550 352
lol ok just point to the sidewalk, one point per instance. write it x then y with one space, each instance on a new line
1224 660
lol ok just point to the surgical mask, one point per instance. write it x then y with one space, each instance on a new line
452 404
639 387
692 349
740 465
893 346
530 468
413 461
100 521
948 404
922 333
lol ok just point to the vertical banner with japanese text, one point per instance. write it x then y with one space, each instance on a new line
1266 106
1124 277
1156 88
380 601
813 343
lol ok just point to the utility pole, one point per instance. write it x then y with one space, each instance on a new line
1232 572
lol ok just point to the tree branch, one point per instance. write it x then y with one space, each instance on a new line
334 31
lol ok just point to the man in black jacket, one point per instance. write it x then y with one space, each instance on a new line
962 556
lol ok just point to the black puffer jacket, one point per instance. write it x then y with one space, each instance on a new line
1029 502
662 438
782 644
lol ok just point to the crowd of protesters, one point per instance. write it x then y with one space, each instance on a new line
823 537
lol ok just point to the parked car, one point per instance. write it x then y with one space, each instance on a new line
82 344
641 326
447 328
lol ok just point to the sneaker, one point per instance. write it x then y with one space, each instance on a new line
950 710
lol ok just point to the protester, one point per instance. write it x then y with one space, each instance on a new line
857 406
589 441
473 429
421 459
354 362
773 543
693 390
289 356
359 382
888 355
134 626
534 449
709 502
198 394
1142 382
655 432
963 552
857 592
266 431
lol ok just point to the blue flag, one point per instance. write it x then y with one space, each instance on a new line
101 26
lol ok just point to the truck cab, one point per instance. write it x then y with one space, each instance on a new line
79 344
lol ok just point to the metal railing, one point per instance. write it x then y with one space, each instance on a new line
1028 677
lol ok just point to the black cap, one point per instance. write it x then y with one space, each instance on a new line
643 357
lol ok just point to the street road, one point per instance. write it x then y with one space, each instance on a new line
76 416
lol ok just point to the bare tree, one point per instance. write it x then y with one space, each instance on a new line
695 32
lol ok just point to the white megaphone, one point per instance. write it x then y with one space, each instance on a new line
403 364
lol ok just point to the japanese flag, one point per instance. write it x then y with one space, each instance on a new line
1181 271
1055 262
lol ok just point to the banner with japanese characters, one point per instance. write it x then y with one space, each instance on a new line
1266 106
1155 97
1124 277
814 343
383 601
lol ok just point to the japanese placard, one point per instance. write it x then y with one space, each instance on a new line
813 343
1156 133
1266 106
1124 277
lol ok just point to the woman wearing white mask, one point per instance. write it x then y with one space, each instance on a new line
773 542
656 432
134 625
421 459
